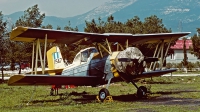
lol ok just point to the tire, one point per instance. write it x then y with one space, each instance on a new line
103 93
142 91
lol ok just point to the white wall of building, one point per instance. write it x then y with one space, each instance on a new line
178 56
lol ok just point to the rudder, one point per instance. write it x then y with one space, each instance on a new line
55 60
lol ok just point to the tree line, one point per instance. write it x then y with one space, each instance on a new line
11 51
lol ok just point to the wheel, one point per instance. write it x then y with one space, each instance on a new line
141 92
103 93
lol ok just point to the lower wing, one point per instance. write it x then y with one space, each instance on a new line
52 72
153 74
54 80
73 80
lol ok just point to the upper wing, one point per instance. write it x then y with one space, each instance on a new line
27 34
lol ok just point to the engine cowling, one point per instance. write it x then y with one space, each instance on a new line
129 66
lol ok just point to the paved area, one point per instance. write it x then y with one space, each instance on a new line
181 74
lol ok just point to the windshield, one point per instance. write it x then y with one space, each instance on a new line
77 59
83 55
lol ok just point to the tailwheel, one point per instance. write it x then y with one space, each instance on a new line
51 92
103 93
142 91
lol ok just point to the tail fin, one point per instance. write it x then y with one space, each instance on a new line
55 60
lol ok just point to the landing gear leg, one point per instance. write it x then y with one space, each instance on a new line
51 92
104 94
54 90
141 91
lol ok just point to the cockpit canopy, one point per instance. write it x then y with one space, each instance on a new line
84 54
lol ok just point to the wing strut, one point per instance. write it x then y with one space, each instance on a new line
36 57
99 46
161 60
154 55
119 45
108 45
108 50
38 52
167 49
127 43
45 48
32 57
159 53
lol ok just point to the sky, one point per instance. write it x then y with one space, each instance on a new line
59 8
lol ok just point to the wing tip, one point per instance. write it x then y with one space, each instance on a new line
15 78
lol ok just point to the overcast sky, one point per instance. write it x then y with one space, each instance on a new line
59 8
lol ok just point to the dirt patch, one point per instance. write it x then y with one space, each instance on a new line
170 100
141 110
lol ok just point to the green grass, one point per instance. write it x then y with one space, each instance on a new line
171 94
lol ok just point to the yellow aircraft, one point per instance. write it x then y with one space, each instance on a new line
94 65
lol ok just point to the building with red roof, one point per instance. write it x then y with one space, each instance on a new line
179 44
178 55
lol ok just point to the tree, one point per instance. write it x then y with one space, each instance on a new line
69 52
151 24
47 26
58 28
3 32
31 18
195 49
14 50
185 58
198 30
69 28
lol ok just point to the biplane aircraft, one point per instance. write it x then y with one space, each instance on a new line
94 65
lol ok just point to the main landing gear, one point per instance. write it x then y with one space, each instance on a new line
141 91
104 94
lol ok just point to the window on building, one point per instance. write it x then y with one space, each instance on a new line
172 57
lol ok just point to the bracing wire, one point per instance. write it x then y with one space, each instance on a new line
31 98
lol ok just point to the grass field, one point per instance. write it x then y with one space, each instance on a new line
171 94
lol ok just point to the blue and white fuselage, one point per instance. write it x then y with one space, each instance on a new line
88 63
